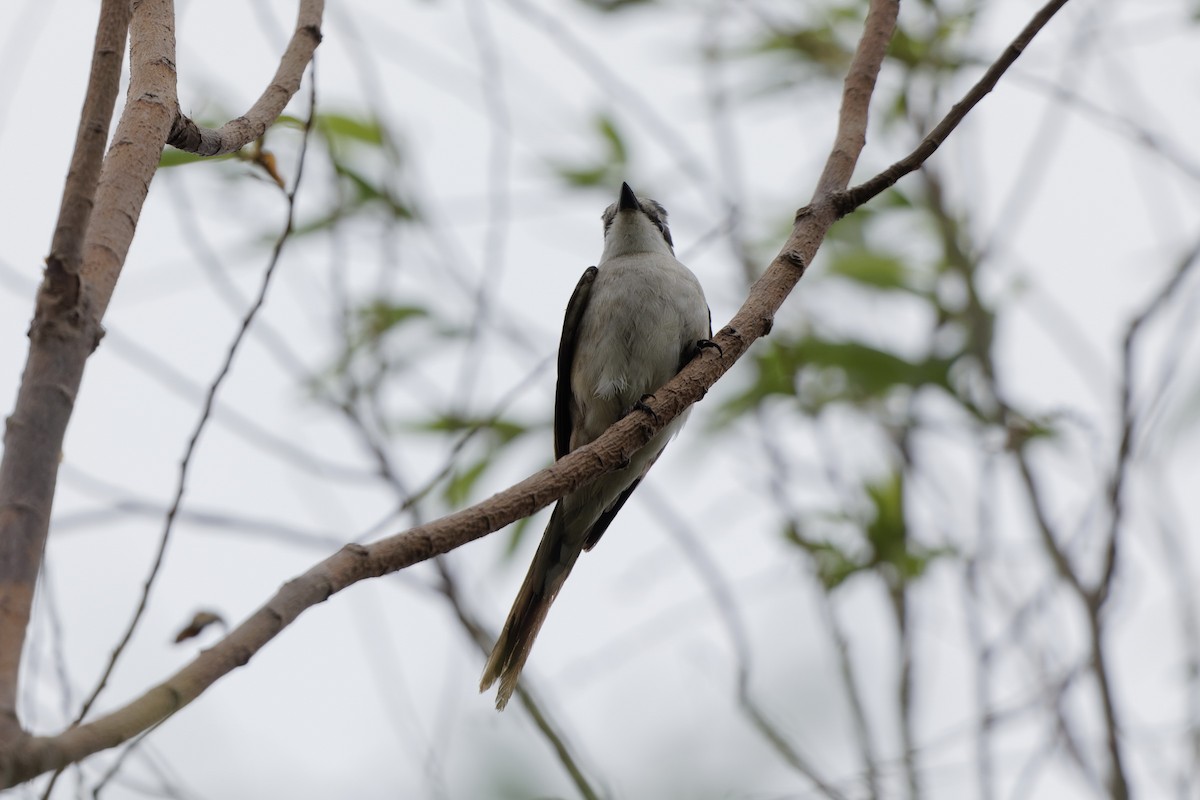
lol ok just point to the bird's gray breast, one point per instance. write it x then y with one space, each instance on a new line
645 311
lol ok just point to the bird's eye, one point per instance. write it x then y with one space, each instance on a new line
664 230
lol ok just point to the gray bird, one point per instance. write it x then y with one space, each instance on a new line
632 323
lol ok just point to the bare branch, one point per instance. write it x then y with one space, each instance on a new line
1129 419
132 159
33 755
483 640
73 299
865 191
33 438
612 450
857 91
206 415
237 133
66 326
66 248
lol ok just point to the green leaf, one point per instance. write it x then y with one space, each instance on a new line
368 193
774 376
909 51
336 127
610 165
288 121
610 6
462 482
584 177
379 317
172 157
516 533
901 559
871 268
870 371
616 145
1022 430
833 564
818 372
502 431
888 553
888 531
817 45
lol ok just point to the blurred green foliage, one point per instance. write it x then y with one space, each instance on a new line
885 547
607 168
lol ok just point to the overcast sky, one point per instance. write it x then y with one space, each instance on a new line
373 694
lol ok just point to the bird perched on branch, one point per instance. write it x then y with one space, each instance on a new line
634 320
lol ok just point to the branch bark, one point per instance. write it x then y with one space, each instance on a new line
102 201
237 133
34 755
32 441
860 194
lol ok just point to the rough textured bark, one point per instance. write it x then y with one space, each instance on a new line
66 325
61 335
354 562
102 202
34 755
239 132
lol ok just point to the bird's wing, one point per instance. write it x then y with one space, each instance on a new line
601 525
566 357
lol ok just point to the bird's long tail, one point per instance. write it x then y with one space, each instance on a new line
551 565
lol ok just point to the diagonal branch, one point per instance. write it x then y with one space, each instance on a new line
129 166
66 248
1131 425
31 444
237 133
609 452
353 563
206 414
99 213
860 194
483 640
66 326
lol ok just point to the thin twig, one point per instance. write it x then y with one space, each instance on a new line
632 101
128 750
1129 419
245 128
498 190
725 141
483 641
723 599
853 198
205 415
610 451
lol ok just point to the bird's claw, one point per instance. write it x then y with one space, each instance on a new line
704 344
640 405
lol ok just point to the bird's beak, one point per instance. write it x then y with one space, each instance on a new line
628 201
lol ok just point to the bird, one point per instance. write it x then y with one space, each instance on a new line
634 320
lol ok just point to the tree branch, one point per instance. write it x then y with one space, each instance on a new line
860 194
237 133
132 158
353 563
31 449
609 452
66 248
1130 426
99 213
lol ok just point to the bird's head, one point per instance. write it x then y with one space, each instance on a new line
635 226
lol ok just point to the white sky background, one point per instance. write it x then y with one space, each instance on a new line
372 694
